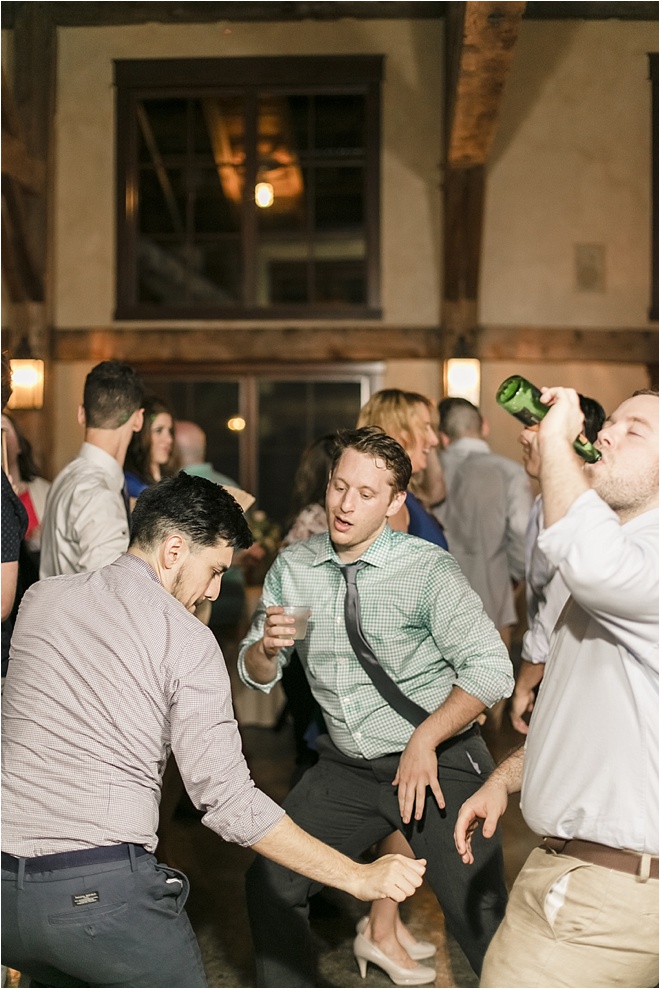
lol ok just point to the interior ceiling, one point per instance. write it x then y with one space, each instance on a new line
79 14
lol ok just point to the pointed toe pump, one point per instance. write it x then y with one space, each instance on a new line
365 952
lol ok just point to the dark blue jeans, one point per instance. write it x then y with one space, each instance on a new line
350 804
116 924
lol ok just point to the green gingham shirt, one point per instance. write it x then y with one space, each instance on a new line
422 619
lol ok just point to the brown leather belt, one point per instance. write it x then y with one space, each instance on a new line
609 858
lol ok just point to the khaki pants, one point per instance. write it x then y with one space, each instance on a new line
570 923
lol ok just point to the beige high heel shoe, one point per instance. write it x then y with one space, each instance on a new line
365 952
416 949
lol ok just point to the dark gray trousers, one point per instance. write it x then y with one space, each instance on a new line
116 924
350 804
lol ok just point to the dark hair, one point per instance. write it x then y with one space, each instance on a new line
375 442
459 417
311 477
6 378
138 454
594 417
26 462
202 511
113 392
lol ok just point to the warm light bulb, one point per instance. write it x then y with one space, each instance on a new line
27 378
463 379
24 374
236 423
264 194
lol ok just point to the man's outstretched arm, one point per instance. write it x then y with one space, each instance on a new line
488 804
393 876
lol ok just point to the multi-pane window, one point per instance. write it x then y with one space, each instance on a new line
248 187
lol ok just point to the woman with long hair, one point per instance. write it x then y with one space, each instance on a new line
150 455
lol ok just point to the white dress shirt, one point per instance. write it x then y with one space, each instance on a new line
85 525
591 756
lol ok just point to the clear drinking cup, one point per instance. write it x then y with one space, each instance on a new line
300 613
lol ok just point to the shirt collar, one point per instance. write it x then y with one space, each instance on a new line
95 455
376 554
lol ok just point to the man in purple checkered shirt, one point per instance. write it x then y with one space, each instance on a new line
110 670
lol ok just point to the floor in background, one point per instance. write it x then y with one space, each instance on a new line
216 870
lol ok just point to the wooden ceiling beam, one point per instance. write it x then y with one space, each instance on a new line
490 32
479 45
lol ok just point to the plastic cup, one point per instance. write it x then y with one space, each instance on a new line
300 613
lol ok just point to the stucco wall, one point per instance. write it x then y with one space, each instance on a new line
571 165
411 127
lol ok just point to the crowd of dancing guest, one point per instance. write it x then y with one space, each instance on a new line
110 669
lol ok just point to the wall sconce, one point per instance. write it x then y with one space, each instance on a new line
27 379
462 375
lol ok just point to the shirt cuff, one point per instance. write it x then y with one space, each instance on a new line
249 682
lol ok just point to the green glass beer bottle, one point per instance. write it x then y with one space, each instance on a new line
523 400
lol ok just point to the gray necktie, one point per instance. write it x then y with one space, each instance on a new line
385 686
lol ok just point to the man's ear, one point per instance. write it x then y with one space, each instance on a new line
173 551
138 420
485 429
81 416
396 504
444 440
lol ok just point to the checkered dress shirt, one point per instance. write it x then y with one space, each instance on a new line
422 619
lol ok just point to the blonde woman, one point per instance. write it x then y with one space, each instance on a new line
408 418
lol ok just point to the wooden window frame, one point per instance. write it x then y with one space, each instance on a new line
324 75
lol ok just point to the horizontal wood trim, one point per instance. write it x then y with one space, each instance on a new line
108 13
295 345
537 343
67 14
290 345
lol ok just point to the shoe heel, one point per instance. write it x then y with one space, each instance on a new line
362 965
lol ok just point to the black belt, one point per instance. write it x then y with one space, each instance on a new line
72 860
